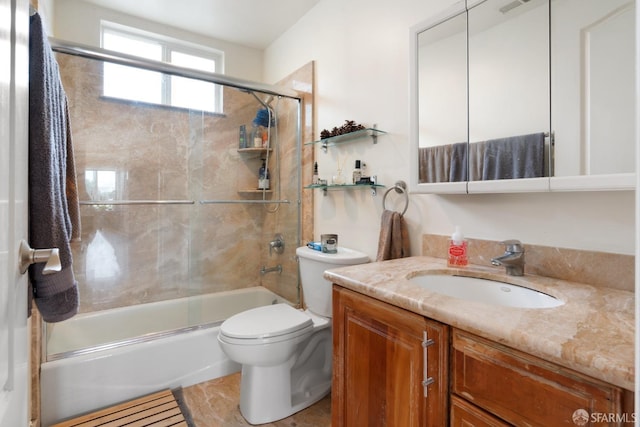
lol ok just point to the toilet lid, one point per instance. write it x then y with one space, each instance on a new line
264 322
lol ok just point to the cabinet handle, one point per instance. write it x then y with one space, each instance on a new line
426 379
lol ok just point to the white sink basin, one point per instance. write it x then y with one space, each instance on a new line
485 291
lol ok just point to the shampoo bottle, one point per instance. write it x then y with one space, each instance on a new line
457 256
256 137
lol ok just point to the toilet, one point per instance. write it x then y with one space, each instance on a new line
286 353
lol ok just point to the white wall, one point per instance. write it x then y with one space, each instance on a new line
78 21
361 50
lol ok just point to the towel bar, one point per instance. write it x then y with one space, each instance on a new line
401 188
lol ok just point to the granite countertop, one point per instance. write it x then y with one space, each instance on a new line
592 332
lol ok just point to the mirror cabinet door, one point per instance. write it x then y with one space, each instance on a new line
509 107
442 101
593 86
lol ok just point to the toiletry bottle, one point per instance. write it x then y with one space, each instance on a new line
457 256
256 137
357 172
263 177
315 178
243 137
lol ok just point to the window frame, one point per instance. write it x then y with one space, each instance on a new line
169 45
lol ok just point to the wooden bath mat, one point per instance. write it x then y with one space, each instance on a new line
158 410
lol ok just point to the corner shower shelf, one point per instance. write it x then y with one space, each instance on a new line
343 187
372 132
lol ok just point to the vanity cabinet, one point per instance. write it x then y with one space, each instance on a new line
520 389
389 365
383 358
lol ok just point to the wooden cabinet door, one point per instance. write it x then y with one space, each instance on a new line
379 365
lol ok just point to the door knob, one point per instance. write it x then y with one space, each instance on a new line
30 256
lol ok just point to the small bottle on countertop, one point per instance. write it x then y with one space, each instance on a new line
457 254
315 178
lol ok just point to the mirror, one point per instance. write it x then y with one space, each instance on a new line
550 89
508 90
593 86
442 100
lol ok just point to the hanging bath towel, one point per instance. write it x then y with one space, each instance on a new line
53 203
394 237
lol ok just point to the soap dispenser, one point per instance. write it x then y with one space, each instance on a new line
457 254
263 176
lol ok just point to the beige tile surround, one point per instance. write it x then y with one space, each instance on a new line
599 269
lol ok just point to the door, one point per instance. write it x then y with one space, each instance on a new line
14 110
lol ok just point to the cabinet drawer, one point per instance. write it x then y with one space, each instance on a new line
522 389
464 414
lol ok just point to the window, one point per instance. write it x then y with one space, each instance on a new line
152 87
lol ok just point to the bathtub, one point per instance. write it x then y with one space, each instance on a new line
98 359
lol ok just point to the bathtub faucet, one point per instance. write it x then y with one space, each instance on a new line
264 270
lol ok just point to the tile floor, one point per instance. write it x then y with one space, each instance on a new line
215 404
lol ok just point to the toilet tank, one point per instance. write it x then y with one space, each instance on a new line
316 290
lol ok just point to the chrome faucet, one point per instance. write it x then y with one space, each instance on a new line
512 259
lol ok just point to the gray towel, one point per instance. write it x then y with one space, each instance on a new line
514 157
435 163
51 177
459 162
476 157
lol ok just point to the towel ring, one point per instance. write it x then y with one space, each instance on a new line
401 188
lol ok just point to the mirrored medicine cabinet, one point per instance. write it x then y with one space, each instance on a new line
524 95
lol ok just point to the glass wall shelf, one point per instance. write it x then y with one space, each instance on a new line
343 187
373 132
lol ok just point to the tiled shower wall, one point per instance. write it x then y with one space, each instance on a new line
131 254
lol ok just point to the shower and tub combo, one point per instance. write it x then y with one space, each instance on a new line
164 193
97 359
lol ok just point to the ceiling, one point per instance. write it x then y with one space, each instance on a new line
253 23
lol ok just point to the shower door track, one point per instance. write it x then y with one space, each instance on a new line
91 52
178 202
261 202
136 202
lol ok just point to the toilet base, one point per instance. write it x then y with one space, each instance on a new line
270 393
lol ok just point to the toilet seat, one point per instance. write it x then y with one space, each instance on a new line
271 323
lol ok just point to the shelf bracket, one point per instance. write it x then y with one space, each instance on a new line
374 135
325 146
